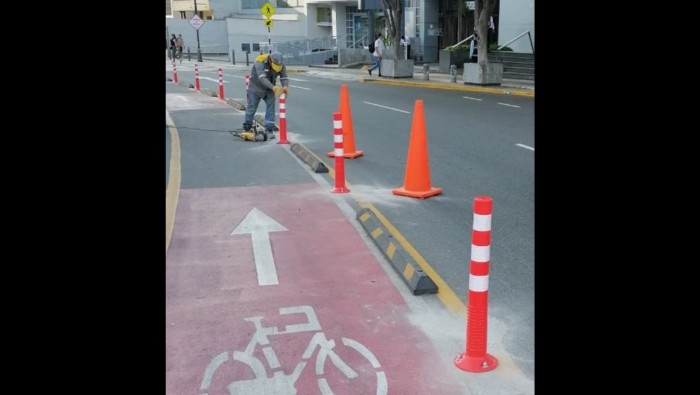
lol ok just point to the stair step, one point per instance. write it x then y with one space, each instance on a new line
518 76
518 69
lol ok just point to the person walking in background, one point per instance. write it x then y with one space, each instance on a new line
406 47
173 48
262 85
378 53
179 44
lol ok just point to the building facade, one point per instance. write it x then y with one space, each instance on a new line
241 25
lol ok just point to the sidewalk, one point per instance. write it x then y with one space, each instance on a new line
434 79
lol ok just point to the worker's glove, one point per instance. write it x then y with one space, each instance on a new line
277 90
285 91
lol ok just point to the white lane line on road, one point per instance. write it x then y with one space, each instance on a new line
212 79
388 108
509 105
471 98
525 146
231 75
296 79
300 87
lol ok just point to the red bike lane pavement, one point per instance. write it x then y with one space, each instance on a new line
271 290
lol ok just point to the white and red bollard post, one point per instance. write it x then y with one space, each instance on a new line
196 77
283 119
174 73
475 359
221 84
338 152
247 81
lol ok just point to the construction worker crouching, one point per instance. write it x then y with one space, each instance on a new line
262 85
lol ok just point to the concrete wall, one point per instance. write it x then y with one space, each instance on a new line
354 56
188 5
251 29
517 16
338 14
224 8
312 28
212 35
429 30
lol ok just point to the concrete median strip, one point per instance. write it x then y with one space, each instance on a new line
413 276
455 87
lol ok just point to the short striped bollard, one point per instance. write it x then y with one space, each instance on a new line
283 119
174 73
475 359
221 84
247 81
338 153
196 77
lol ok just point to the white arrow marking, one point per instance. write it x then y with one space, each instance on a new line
259 225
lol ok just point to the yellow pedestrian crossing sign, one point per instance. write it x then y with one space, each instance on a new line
269 23
267 10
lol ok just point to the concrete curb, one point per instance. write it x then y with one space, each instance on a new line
457 87
413 276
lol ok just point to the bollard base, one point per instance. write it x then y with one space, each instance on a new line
346 155
340 190
476 365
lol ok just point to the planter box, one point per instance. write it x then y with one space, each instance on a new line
473 75
447 58
401 68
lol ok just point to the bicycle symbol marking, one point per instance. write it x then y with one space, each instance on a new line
281 383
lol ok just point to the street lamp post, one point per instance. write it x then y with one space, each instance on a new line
199 50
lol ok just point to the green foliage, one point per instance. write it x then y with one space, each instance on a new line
494 48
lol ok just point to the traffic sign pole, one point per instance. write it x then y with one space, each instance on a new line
196 15
268 10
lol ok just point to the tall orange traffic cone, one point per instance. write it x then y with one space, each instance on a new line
417 179
348 138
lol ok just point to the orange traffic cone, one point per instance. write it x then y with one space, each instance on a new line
417 179
348 138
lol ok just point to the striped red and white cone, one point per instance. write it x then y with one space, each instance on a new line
221 84
475 359
196 77
338 152
174 73
283 120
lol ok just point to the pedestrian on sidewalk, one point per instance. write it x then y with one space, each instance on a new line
405 44
263 85
377 55
173 47
179 43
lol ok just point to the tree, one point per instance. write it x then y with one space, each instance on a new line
482 14
393 10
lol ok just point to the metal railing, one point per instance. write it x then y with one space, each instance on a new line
521 34
307 51
360 43
459 43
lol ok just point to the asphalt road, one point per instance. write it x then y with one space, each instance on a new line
479 145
